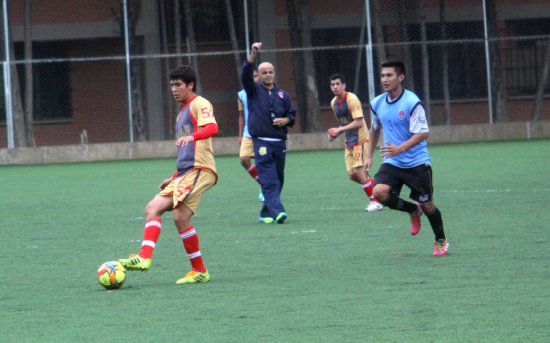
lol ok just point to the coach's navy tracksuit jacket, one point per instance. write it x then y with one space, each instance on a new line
269 141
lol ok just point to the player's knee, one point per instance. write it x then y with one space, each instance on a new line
151 210
182 220
380 193
245 162
354 176
428 208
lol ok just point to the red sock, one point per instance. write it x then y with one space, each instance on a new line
150 236
191 245
367 187
253 172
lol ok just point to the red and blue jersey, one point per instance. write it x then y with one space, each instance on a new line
195 114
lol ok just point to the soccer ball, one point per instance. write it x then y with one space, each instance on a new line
111 274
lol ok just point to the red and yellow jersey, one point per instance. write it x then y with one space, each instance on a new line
346 111
195 114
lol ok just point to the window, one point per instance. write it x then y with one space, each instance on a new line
51 83
338 60
523 60
209 20
465 61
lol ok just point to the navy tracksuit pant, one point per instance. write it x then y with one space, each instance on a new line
270 164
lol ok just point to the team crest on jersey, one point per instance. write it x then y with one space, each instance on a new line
401 114
183 131
280 94
262 150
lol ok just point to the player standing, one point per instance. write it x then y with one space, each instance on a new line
349 113
246 153
399 112
196 173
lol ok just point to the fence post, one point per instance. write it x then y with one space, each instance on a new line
128 77
369 51
7 79
487 62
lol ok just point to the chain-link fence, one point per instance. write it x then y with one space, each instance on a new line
88 71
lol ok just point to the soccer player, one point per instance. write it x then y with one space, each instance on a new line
399 112
246 153
196 173
270 113
349 113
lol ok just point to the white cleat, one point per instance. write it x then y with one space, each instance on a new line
374 206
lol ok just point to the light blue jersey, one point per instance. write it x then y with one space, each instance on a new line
401 119
242 97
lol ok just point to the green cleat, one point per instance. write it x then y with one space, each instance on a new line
194 277
266 220
281 218
135 262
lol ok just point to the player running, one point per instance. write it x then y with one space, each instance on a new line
349 112
400 114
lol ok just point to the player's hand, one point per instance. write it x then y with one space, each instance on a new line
240 141
280 122
165 183
390 150
256 47
183 141
368 164
333 132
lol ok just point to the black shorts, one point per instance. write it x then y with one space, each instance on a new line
418 179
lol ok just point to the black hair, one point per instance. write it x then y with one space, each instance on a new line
397 65
336 77
185 73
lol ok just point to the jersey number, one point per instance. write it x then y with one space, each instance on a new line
206 112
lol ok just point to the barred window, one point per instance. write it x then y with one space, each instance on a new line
342 61
465 61
51 83
209 20
523 60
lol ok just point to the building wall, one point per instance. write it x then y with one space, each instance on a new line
99 98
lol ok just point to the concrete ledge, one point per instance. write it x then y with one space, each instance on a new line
228 145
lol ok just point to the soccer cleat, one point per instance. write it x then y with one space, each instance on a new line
440 247
135 262
374 206
266 220
281 218
194 277
261 197
415 220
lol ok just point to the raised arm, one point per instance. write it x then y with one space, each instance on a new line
247 72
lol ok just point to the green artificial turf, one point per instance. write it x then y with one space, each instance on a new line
331 273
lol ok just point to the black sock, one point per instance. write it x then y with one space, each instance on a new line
437 223
396 203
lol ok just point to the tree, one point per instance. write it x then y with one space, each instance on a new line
378 32
445 62
166 63
497 78
542 84
303 66
404 35
233 35
191 40
177 30
425 62
27 28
